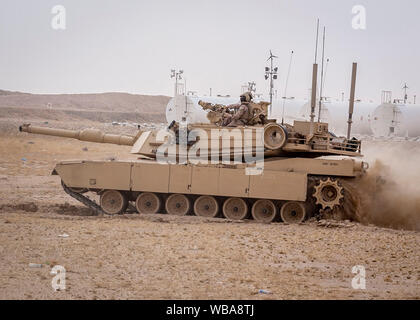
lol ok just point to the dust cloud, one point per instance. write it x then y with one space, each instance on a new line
389 195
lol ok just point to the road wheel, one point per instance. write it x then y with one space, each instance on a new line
206 206
293 212
178 204
113 202
148 202
264 211
235 209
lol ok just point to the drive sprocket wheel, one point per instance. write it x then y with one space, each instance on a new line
328 193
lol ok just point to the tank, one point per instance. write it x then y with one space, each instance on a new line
410 115
391 119
387 120
264 170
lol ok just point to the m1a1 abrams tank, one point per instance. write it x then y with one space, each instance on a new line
291 181
262 169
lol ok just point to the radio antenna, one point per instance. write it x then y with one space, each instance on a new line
285 89
316 43
322 77
352 95
325 74
314 83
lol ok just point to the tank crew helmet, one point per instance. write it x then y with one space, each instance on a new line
246 97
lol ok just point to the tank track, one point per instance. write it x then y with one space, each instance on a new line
345 209
85 200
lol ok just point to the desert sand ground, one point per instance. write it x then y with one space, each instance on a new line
166 257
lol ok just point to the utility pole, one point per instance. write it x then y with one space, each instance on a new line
271 74
405 93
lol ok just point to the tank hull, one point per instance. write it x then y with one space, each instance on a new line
151 176
282 181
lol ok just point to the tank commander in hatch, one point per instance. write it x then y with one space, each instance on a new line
242 115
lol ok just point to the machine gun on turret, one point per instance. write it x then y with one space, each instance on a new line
216 112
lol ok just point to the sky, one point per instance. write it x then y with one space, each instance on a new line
131 46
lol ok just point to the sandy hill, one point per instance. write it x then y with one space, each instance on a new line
113 106
112 101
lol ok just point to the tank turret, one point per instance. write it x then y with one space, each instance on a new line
271 138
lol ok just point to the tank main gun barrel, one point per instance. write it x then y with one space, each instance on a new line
90 135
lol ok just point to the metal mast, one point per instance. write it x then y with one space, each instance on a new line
177 74
271 73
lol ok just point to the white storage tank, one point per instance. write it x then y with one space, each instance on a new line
399 120
325 116
292 110
387 120
336 115
411 120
